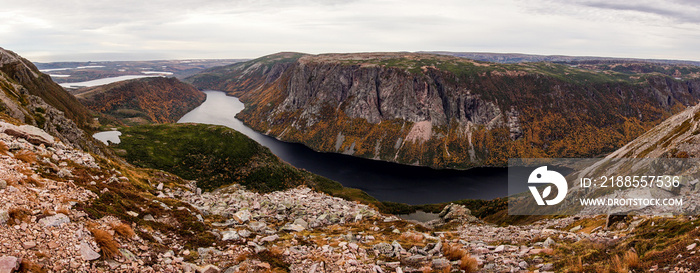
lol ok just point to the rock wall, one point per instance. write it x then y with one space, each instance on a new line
479 113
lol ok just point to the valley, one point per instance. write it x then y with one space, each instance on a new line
399 183
184 197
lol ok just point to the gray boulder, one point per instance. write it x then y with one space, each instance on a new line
229 235
548 243
244 233
293 227
441 263
4 217
32 134
54 220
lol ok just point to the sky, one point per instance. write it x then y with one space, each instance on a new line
97 30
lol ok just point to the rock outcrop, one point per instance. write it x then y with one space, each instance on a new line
31 97
32 134
446 112
459 213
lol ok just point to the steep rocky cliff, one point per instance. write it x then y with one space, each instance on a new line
443 111
146 100
30 97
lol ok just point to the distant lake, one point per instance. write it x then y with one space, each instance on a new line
384 180
102 81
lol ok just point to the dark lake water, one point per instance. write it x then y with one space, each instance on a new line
383 180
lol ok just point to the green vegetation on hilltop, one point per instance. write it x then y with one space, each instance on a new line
213 155
465 69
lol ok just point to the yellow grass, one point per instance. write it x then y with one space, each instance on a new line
468 264
123 230
109 247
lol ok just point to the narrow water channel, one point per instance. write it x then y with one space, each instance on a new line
383 180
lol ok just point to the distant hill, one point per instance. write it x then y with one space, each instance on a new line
66 72
146 100
519 58
451 112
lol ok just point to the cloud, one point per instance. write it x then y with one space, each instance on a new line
682 11
55 30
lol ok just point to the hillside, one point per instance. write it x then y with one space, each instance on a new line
449 112
31 97
677 136
146 100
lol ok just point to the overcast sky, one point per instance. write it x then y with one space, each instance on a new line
82 30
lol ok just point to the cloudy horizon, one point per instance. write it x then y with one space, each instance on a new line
47 31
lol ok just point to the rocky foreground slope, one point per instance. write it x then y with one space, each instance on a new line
449 112
60 212
64 210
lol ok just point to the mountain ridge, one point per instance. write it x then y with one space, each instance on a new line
675 137
448 112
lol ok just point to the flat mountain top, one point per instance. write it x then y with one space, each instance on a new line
521 57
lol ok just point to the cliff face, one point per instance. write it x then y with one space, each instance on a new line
146 100
31 97
443 111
